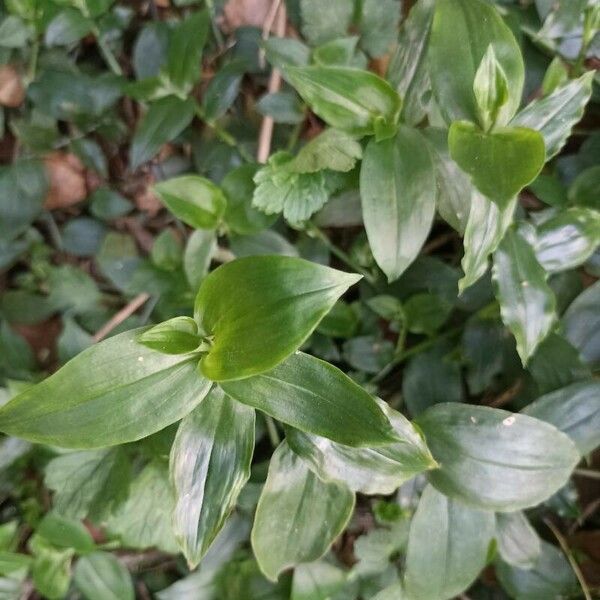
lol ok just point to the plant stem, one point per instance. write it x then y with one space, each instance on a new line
343 256
587 473
272 431
107 53
216 31
570 558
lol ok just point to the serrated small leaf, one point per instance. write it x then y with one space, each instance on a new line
332 149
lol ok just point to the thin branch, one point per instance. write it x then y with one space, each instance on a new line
570 558
506 396
587 473
266 129
119 317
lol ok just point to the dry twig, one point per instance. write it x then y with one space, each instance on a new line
119 317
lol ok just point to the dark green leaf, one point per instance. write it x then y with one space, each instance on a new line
193 199
582 324
316 397
107 204
223 89
352 100
285 530
366 470
163 122
261 309
527 304
68 27
378 25
283 107
209 465
495 459
100 576
447 547
499 163
114 392
477 25
575 410
324 22
398 194
518 542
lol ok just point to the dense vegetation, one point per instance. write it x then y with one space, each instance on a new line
299 299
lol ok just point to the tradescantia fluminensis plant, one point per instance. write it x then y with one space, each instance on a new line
445 133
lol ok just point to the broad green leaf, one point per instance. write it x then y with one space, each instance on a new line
51 571
527 303
550 577
317 581
164 121
66 533
316 397
575 410
144 520
500 163
223 89
454 188
261 309
280 189
324 22
114 392
88 484
100 576
567 240
298 516
285 52
378 25
485 229
67 28
262 243
352 100
491 89
366 470
494 459
447 547
185 51
555 115
397 186
408 71
193 199
582 324
197 256
518 542
332 149
12 564
238 187
478 26
175 336
209 465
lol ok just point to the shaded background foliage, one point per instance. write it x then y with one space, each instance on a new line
102 103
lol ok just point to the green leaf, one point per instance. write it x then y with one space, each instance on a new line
175 336
490 88
352 100
285 52
378 25
341 52
397 185
575 410
223 89
14 32
485 229
164 121
582 324
67 28
88 484
366 470
555 76
316 397
280 189
261 309
478 26
324 22
100 576
283 107
185 51
584 189
209 465
568 239
114 392
13 564
197 256
285 530
447 547
555 115
527 303
66 533
494 459
550 577
195 200
500 163
331 149
408 71
144 520
317 581
518 542
51 571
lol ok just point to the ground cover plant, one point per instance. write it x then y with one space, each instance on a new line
299 300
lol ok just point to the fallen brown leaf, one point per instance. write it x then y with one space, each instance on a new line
240 13
12 91
67 177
